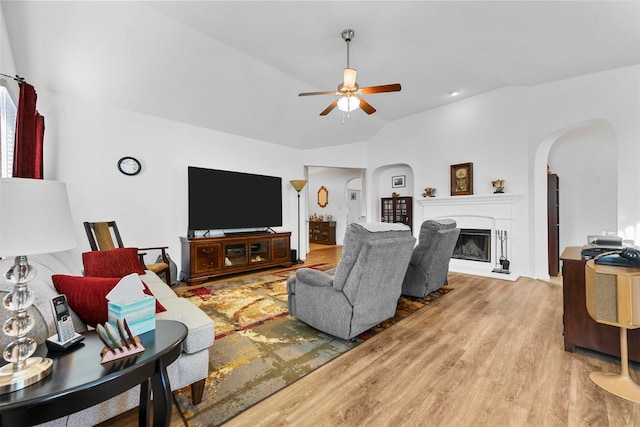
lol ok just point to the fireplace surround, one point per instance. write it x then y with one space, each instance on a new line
477 212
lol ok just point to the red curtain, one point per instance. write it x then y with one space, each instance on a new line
28 154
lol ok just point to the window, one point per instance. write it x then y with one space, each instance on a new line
8 113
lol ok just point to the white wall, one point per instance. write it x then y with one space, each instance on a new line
339 156
84 140
484 129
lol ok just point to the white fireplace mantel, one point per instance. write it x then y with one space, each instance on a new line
475 199
482 211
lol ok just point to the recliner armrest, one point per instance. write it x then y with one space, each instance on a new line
312 277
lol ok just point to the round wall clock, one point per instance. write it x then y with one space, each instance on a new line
129 166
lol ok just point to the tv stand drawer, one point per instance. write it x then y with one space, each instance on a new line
280 249
206 257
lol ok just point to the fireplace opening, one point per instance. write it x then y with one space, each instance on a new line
473 245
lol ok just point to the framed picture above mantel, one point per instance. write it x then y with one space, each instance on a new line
462 179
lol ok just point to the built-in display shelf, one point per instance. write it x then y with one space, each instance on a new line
493 212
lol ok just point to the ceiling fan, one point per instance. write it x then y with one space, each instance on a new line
350 94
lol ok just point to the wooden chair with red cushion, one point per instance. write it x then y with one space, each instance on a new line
105 236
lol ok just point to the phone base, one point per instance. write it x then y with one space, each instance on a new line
54 345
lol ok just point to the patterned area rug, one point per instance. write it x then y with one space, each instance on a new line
259 348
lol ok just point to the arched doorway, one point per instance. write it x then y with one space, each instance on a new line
354 202
588 137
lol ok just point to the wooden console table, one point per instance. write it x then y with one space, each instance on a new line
323 232
580 330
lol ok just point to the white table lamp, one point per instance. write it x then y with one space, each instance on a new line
35 218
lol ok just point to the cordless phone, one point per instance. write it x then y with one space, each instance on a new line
64 325
67 336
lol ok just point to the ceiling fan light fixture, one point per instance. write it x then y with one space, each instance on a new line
348 103
349 78
349 88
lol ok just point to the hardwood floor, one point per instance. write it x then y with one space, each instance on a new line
489 353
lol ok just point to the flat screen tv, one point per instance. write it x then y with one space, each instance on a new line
226 200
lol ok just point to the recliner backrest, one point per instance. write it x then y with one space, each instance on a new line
436 243
371 275
356 236
379 270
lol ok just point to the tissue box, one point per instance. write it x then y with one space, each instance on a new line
140 314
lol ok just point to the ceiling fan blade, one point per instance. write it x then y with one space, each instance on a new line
349 79
318 93
395 87
366 107
327 110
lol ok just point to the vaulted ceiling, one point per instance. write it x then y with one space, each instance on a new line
238 66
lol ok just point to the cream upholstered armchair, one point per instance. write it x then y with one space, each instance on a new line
429 263
363 290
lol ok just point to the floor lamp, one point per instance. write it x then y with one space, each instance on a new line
35 218
298 184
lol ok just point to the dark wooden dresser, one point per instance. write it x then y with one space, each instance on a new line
323 232
580 330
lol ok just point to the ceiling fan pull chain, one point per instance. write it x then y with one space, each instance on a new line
347 113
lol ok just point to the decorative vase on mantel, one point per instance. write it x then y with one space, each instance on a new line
498 185
429 192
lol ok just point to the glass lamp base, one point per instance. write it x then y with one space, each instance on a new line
36 369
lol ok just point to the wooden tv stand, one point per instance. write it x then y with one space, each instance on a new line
206 257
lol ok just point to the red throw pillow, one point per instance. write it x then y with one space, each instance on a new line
112 263
87 296
159 307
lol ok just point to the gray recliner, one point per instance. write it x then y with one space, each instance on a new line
363 290
429 263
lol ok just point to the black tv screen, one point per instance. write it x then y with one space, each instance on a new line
224 200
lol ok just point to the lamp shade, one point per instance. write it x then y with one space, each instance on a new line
35 217
349 80
298 184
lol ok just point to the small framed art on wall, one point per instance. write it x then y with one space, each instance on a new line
398 181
